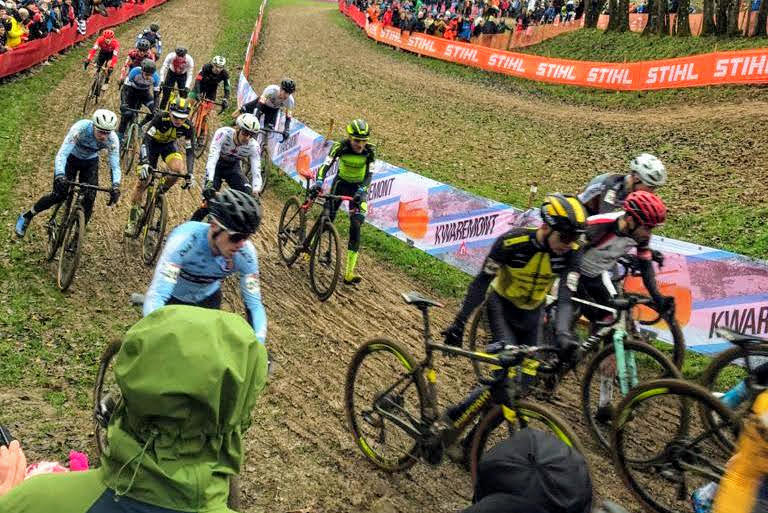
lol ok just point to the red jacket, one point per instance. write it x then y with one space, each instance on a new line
103 47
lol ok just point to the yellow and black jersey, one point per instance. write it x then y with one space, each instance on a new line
525 270
161 129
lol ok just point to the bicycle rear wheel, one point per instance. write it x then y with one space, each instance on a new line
660 465
381 383
601 377
479 337
93 94
106 394
266 167
291 230
54 230
128 149
201 133
71 247
325 261
154 230
500 422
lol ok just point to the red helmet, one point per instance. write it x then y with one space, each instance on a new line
108 34
647 208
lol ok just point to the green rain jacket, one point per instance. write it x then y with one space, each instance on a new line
189 378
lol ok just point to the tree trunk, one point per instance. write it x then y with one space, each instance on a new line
721 17
613 15
762 19
683 25
591 13
623 8
733 18
708 21
650 25
662 22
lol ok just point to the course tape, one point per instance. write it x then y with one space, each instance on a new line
712 287
716 68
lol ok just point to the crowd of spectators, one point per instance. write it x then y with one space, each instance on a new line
27 20
464 19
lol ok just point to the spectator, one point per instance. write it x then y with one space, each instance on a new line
465 29
3 39
14 29
439 26
418 22
451 29
67 13
477 27
490 26
429 24
549 14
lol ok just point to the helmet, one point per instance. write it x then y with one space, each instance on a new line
148 66
143 45
649 170
104 119
358 129
180 108
235 211
154 27
181 51
564 213
288 85
108 34
249 123
219 61
647 208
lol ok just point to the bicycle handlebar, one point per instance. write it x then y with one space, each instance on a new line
168 173
88 186
629 302
137 111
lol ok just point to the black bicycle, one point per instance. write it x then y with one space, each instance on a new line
94 90
392 409
131 145
66 231
321 243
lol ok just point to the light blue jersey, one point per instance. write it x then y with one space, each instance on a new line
137 80
190 272
81 143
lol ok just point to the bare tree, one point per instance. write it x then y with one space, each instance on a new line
683 26
650 25
733 18
623 14
762 19
721 17
708 21
592 13
613 15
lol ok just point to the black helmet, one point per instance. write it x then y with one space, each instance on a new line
181 51
236 211
148 66
564 213
288 85
154 27
358 129
143 45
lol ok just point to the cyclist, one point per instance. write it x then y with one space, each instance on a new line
135 57
355 157
160 141
151 34
198 256
520 269
79 155
274 99
607 192
141 88
229 145
177 70
208 79
108 47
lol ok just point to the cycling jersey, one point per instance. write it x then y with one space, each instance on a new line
179 66
271 99
224 147
137 80
190 272
606 244
136 56
207 81
353 167
81 143
102 46
162 132
605 193
153 38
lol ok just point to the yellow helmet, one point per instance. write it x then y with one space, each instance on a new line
564 213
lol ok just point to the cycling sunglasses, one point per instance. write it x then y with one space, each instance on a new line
569 237
99 131
234 237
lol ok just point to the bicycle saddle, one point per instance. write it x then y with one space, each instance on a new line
740 339
419 301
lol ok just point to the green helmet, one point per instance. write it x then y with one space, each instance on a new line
358 129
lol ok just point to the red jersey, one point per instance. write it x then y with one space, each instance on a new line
135 57
103 47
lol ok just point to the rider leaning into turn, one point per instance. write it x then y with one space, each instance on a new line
355 157
177 70
135 57
228 147
273 100
208 80
141 88
198 256
108 47
607 192
160 141
79 154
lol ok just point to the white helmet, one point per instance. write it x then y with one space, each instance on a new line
249 123
219 61
104 119
649 170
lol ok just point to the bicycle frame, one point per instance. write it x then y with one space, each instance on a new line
325 217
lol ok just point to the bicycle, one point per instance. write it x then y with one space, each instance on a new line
131 144
322 242
154 217
406 400
65 230
94 91
199 121
266 159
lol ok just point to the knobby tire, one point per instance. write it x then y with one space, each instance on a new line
330 229
71 249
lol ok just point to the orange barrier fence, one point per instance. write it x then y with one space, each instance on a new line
637 22
735 67
534 34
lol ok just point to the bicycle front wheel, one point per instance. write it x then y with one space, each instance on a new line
71 247
600 384
93 94
501 421
479 337
201 139
384 392
106 394
291 230
55 230
128 149
325 261
661 463
154 230
266 167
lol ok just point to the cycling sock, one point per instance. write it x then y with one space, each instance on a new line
29 214
351 263
736 395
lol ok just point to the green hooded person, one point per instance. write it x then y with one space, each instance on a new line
189 379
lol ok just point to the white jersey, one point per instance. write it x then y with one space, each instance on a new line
270 99
178 65
223 147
